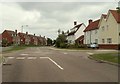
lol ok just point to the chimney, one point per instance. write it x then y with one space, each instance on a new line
90 21
34 34
75 23
26 33
15 31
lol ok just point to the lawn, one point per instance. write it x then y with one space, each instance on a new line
1 58
15 48
111 57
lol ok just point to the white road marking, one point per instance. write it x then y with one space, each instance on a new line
52 62
65 53
10 57
20 58
24 54
90 53
30 58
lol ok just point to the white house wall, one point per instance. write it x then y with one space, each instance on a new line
87 37
80 31
110 30
71 39
94 36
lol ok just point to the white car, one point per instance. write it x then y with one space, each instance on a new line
94 45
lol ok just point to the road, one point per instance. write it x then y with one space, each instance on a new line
44 64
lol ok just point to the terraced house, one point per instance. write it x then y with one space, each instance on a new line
109 30
11 37
24 38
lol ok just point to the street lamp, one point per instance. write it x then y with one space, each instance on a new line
23 27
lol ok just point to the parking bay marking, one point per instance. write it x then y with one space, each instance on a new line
52 62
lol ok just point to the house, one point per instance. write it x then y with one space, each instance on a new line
80 40
109 30
75 32
44 41
33 39
91 32
0 39
24 38
11 37
40 40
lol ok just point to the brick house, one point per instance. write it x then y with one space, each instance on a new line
24 38
0 39
11 36
44 41
33 39
40 40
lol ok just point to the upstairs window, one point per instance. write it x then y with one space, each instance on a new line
109 40
103 40
107 26
103 28
95 31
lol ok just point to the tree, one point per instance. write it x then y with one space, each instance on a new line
4 42
49 41
61 40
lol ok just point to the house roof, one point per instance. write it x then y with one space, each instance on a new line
9 31
92 26
73 32
21 34
116 15
80 38
104 15
0 36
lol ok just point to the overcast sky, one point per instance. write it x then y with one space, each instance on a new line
45 18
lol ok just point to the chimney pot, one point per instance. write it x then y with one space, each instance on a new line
75 23
26 33
16 31
90 21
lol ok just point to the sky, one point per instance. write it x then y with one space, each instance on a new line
45 18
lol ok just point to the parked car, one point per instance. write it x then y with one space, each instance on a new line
94 45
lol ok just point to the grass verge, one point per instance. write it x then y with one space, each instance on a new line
110 57
15 48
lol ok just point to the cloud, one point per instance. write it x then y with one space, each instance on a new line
45 18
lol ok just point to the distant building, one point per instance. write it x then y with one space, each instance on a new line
0 39
24 38
11 37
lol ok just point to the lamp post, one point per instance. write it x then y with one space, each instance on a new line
23 27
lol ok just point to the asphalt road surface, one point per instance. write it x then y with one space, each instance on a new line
44 64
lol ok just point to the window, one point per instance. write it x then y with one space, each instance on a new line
95 31
103 40
109 40
103 28
96 40
107 26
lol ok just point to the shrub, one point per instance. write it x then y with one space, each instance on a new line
63 45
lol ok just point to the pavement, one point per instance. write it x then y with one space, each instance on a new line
45 64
